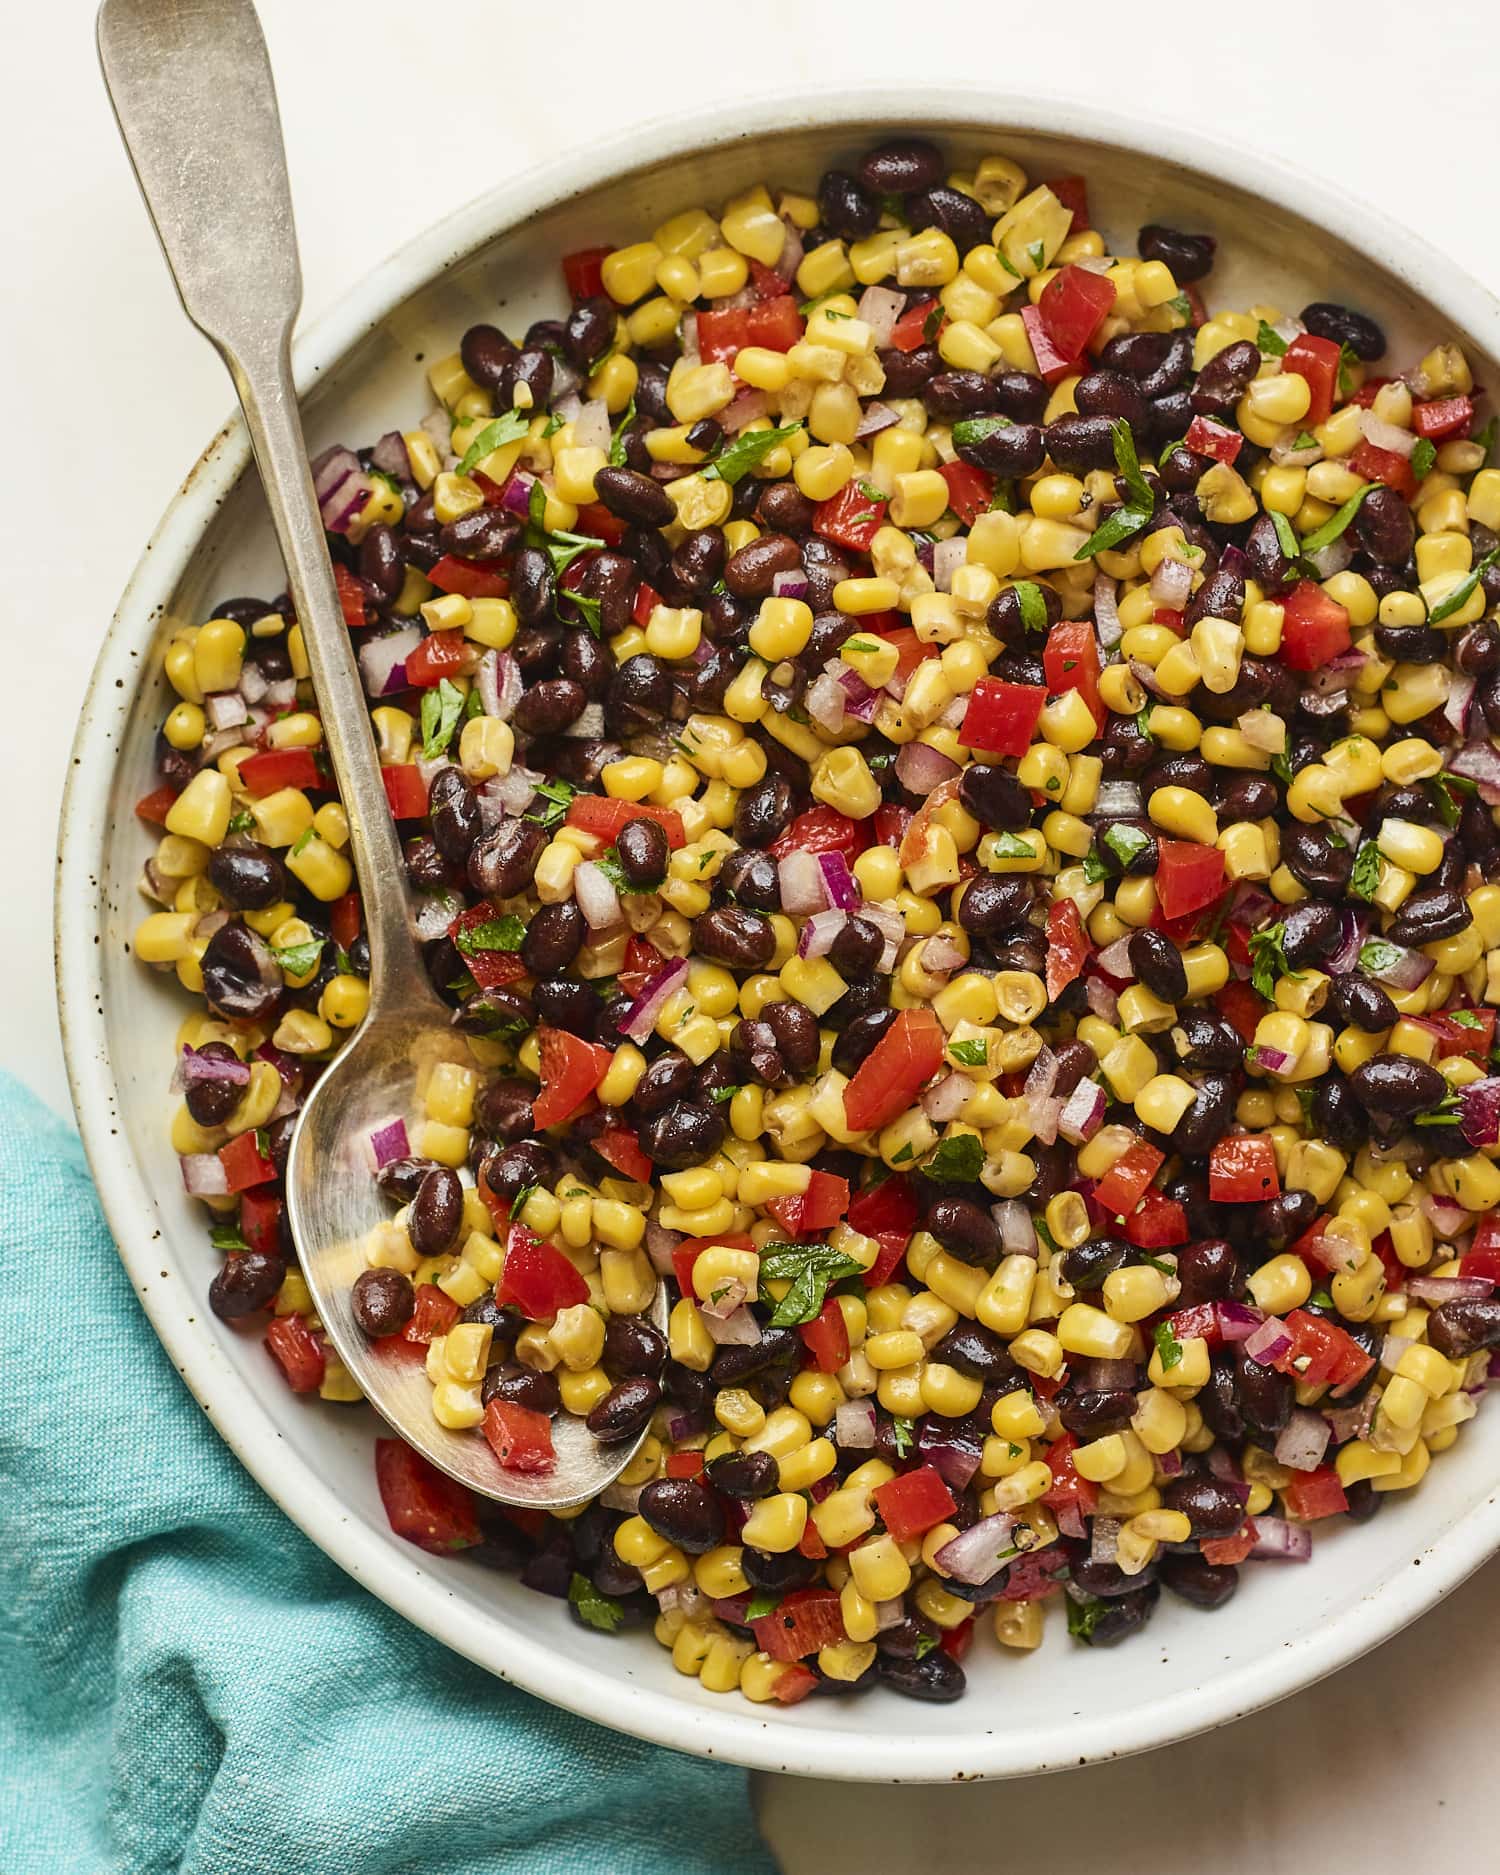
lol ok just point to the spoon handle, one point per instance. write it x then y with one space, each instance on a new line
192 90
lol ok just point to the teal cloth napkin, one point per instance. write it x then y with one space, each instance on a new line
187 1684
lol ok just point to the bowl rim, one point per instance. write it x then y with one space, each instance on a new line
401 1577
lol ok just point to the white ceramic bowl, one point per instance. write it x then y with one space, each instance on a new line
1283 238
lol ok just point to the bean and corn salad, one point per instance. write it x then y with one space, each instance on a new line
951 789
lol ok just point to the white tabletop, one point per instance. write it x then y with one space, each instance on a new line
395 114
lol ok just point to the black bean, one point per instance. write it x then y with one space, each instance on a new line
1265 1398
666 1079
901 167
381 565
566 1003
966 1230
1122 1615
1077 444
426 867
1019 396
1224 380
750 878
624 1411
211 1102
1188 257
1090 1413
1211 1506
994 901
728 935
845 207
753 1043
1361 1004
741 1361
976 1351
681 1135
1158 964
612 579
994 796
241 978
1248 797
486 534
633 1347
776 1572
640 695
399 1179
1397 1084
1006 619
1219 1403
858 1038
744 1475
1337 1114
522 1386
684 1512
553 938
1208 1270
247 1282
643 853
825 568
503 1110
699 561
588 331
453 811
782 508
532 586
1478 650
487 355
1168 377
1344 326
634 497
1207 1120
1314 861
535 649
937 1679
1464 1326
548 708
954 394
795 1028
534 369
1002 446
1196 1580
437 1213
383 1301
1281 1220
1170 417
502 863
959 216
906 372
857 948
1427 916
751 572
1222 595
1384 527
1109 394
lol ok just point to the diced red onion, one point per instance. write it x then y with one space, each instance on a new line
1392 1348
1104 1539
1478 762
202 1175
801 880
685 1598
955 1460
1082 1113
1287 452
1114 960
1237 1321
1351 1422
791 584
194 1067
514 791
1263 730
1017 1232
876 417
588 724
596 895
1273 1060
952 714
1041 1077
591 425
748 407
389 1141
1269 1342
339 508
687 338
1479 1113
1042 1113
1146 677
433 913
1106 610
1101 999
1221 1463
1170 1463
334 466
818 933
660 1243
854 1425
382 661
860 701
390 456
287 1066
225 709
838 882
892 928
619 1496
921 768
947 557
947 1100
941 956
639 1024
1303 1440
430 767
1172 584
976 1553
499 681
279 696
889 1614
1334 1253
880 307
1439 1289
1070 1522
1385 435
567 407
1331 559
214 746
1276 1540
826 703
1407 970
1446 1217
728 1321
792 251
253 685
1461 688
1117 800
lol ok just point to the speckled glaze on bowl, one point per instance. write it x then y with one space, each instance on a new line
1283 238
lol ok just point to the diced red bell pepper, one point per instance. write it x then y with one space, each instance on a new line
405 790
1322 1354
260 1220
353 603
970 490
956 1642
1242 1170
1443 417
642 961
891 823
1241 1005
800 1624
1474 1035
810 1544
1317 360
1073 305
1207 438
538 1278
851 518
910 649
819 1208
1068 1490
298 1352
890 1205
1188 876
1315 1494
684 1464
891 1075
1002 716
826 1337
154 807
583 271
774 323
345 920
721 334
598 814
1230 1549
434 1314
1157 1223
442 654
1371 464
520 1438
1073 193
595 520
819 830
270 770
1198 1322
910 334
1122 1186
1368 391
472 578
571 1069
1314 628
1070 660
894 1245
1067 946
421 1503
1483 1261
647 599
1050 362
620 1148
794 1685
244 1163
913 1501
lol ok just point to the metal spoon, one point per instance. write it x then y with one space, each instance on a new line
191 87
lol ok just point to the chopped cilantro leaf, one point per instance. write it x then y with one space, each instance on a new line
1120 526
1094 868
227 1237
1269 342
441 709
761 1604
903 1433
1329 532
1464 590
1127 843
970 1054
617 437
299 960
1127 462
1033 604
1084 1617
810 1268
495 934
1167 1345
1422 457
1366 875
507 429
592 1608
748 450
242 822
1268 959
958 1160
1286 537
558 796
